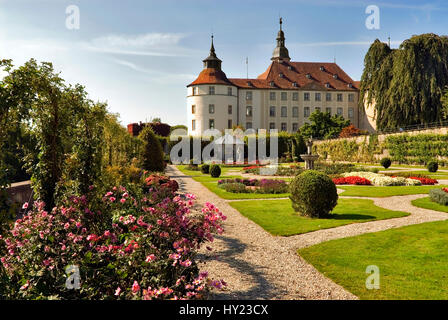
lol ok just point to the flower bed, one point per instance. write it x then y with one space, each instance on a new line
130 243
381 180
425 181
271 186
352 180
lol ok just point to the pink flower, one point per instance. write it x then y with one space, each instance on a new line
66 226
122 200
25 205
150 258
135 287
186 263
118 291
112 199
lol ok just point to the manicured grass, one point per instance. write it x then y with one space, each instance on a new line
412 262
278 217
381 192
426 203
212 185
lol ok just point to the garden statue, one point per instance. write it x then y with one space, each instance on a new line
309 157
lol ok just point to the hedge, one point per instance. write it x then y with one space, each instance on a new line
439 196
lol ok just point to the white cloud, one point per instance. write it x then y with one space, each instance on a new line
340 43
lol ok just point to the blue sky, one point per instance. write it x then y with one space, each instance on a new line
139 55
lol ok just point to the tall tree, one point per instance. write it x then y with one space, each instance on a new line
406 85
323 125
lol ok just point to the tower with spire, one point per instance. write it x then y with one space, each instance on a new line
212 61
280 53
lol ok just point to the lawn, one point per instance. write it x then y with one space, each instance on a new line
381 192
278 218
212 185
412 261
426 203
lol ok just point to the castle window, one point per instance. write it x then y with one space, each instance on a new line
328 110
211 124
229 91
248 125
284 126
306 96
249 95
350 85
211 108
308 76
272 111
272 84
328 96
339 97
327 85
271 95
284 96
295 127
350 113
284 112
211 90
317 96
317 109
322 68
335 76
280 75
340 112
249 111
194 91
295 96
306 112
193 109
229 124
351 97
272 125
294 84
229 109
295 112
193 125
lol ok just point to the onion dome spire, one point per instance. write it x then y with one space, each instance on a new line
212 61
280 52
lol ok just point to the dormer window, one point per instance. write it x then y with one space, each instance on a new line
272 84
327 85
289 67
280 75
335 76
322 68
350 85
294 84
249 83
308 76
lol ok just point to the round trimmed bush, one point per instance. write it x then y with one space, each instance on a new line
313 194
386 162
205 168
215 170
433 166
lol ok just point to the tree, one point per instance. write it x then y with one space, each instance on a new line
406 85
323 125
152 157
349 131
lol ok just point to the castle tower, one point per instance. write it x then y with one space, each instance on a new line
280 53
211 98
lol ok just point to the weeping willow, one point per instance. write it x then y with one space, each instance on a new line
406 85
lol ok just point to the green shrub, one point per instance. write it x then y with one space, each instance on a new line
439 196
334 168
235 187
386 162
313 194
205 168
215 170
152 157
433 166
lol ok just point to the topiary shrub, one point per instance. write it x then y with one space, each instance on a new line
205 168
152 157
215 171
386 162
313 194
433 166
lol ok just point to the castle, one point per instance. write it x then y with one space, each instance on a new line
283 97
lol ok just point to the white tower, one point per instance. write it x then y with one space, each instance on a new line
211 99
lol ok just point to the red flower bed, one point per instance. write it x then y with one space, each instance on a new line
352 180
445 189
425 181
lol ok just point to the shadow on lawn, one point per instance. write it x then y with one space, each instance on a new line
349 216
261 288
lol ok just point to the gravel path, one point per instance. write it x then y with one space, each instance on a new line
257 265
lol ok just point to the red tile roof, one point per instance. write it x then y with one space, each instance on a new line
287 75
211 76
283 76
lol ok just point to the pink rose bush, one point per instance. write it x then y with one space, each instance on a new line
127 245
